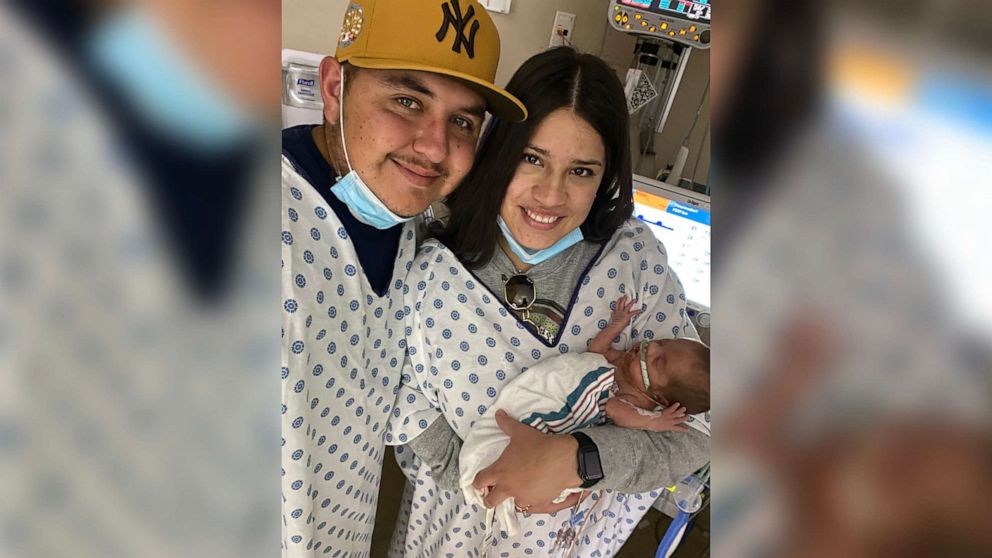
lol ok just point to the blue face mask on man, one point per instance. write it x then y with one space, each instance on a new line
353 192
534 257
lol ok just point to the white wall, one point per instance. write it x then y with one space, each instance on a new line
312 25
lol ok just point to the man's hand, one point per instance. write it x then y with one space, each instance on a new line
625 414
533 469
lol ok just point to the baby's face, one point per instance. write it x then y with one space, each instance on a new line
666 359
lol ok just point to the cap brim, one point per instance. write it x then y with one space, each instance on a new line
498 101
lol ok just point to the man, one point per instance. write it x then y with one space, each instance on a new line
404 100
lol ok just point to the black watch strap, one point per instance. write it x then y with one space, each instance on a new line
590 468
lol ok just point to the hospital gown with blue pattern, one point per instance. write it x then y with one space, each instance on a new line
343 349
464 345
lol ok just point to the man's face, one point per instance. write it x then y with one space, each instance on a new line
411 136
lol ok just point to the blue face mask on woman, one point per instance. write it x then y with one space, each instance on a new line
353 192
534 257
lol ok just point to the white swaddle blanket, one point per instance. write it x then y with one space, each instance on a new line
558 395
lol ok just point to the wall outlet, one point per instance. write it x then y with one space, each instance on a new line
561 31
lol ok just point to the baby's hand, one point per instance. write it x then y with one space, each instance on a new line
625 414
626 309
670 419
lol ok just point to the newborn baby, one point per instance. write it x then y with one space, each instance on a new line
650 386
656 382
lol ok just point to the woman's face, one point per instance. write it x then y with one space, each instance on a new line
556 180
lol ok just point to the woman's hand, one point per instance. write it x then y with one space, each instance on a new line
533 469
552 507
625 414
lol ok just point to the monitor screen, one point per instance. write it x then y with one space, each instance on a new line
696 10
684 229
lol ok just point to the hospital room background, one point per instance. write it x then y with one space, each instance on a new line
140 246
660 51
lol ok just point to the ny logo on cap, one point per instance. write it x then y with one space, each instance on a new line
453 18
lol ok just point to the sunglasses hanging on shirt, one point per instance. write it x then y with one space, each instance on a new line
520 292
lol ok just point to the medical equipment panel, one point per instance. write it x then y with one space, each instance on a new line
681 21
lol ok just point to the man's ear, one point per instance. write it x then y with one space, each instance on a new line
330 87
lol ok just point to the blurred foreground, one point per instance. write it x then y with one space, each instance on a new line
139 331
853 328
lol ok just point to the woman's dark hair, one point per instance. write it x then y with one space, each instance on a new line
779 87
778 93
559 78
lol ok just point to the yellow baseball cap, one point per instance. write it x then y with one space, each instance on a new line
454 38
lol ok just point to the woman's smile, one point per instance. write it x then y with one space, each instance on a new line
540 220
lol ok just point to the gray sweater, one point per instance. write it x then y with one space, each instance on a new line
633 460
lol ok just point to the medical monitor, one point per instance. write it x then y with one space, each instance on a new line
680 219
680 21
695 10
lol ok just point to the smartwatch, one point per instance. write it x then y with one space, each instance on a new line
590 468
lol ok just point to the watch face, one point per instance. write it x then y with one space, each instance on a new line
590 468
594 470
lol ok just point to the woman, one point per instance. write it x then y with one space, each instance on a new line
538 244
